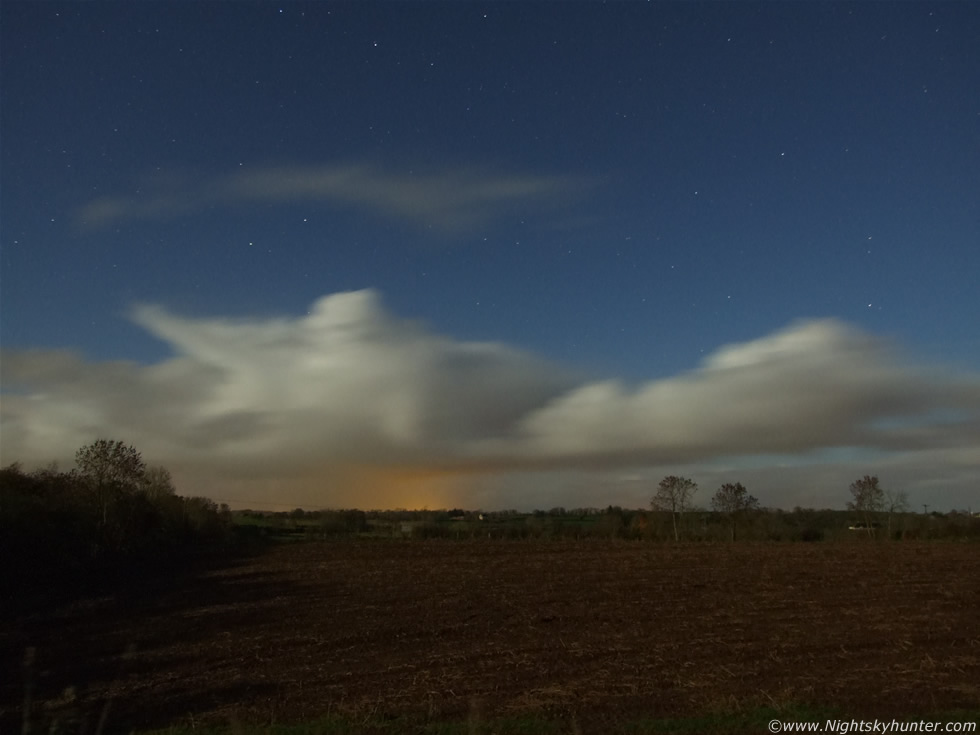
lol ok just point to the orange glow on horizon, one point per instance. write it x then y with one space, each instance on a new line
347 487
411 488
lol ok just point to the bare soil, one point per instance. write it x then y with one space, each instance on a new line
598 631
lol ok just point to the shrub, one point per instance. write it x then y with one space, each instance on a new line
811 534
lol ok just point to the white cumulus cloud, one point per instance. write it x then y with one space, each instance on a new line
329 407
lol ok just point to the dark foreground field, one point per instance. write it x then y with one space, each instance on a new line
590 633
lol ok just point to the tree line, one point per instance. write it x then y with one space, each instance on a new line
676 495
113 513
691 523
875 507
110 515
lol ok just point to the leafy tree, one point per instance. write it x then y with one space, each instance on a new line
54 536
355 521
869 500
639 525
108 462
206 519
158 483
674 494
733 500
111 471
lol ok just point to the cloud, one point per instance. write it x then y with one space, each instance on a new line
447 200
814 385
345 404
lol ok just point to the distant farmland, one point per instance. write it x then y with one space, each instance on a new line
591 633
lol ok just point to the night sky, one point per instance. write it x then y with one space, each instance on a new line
495 254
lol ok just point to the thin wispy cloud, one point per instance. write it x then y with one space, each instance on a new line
350 390
446 200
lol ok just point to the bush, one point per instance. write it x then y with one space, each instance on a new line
811 534
430 529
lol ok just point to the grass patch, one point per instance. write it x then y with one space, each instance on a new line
358 726
718 723
729 723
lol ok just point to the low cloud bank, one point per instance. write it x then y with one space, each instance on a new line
351 405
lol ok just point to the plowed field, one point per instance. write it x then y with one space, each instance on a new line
598 631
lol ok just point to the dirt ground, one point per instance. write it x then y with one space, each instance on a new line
437 629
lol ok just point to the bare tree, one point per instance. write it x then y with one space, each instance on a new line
896 501
869 500
734 500
674 494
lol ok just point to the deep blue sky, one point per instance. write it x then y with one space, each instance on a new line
676 176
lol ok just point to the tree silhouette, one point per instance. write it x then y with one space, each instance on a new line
674 494
734 500
869 500
110 469
158 483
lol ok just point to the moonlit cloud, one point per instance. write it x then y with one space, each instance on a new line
448 200
333 407
814 385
